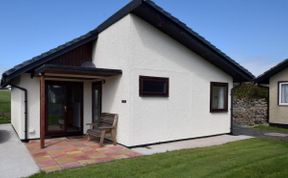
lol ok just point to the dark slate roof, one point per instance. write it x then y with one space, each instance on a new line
159 18
45 57
264 78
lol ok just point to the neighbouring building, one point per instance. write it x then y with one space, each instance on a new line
277 80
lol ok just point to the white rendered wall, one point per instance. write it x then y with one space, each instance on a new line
186 112
112 51
139 49
17 107
17 111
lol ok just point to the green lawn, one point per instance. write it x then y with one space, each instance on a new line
271 128
249 158
5 97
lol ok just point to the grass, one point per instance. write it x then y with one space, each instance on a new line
248 158
5 98
4 120
271 128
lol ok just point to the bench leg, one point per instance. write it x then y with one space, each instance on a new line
113 132
102 138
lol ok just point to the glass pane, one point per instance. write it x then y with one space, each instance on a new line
96 102
284 93
74 113
55 108
154 86
218 97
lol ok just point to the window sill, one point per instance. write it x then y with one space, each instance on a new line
283 105
218 111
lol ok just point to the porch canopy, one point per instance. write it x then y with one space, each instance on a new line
66 72
62 71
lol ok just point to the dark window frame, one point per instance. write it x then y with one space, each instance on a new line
219 84
143 93
278 94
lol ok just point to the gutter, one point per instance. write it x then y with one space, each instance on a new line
25 111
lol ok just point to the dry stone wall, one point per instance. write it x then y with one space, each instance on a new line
250 111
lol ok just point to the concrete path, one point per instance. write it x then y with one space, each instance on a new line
242 130
15 160
193 143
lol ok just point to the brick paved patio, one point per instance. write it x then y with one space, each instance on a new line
64 153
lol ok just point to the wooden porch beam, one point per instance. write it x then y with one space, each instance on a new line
42 111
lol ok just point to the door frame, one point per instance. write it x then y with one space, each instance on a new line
95 85
67 84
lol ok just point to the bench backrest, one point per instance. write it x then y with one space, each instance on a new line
108 120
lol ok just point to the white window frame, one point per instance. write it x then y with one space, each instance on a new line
280 93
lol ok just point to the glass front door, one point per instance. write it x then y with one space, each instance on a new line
64 108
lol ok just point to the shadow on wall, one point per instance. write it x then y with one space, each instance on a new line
110 88
4 136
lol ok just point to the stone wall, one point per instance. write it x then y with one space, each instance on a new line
250 111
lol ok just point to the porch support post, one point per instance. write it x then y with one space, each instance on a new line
42 111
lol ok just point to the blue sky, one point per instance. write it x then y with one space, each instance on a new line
252 32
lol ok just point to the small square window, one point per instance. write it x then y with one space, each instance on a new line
153 86
218 97
283 93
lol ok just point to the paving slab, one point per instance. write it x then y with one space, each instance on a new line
72 152
187 144
250 131
16 160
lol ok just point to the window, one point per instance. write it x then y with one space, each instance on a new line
219 97
283 93
153 86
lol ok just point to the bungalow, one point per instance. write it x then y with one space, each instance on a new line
163 80
277 80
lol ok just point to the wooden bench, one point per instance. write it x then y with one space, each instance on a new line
106 125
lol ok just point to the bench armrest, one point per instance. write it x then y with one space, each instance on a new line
104 128
92 124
